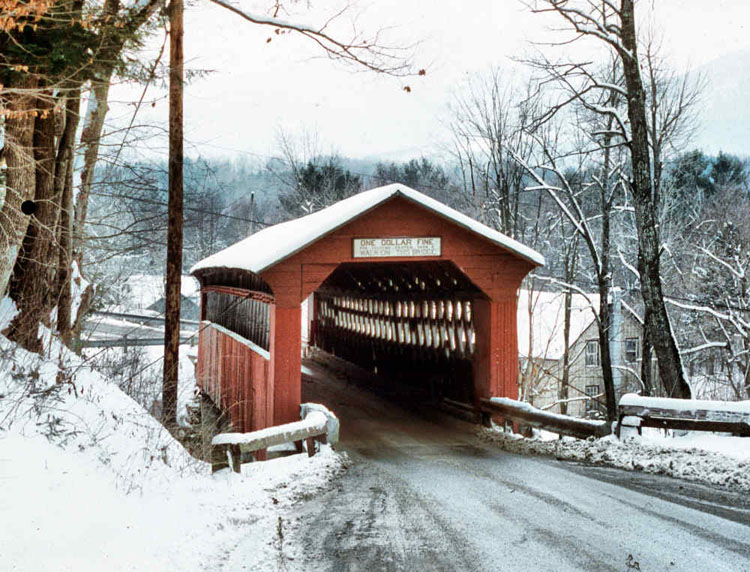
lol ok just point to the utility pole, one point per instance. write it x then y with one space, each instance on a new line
252 212
174 219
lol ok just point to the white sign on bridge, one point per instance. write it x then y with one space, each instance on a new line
396 247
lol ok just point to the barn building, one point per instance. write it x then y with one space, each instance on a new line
396 282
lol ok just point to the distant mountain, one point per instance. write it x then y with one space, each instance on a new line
726 110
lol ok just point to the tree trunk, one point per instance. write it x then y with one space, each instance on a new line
19 174
32 273
90 137
563 393
605 327
646 378
660 332
571 263
174 220
64 182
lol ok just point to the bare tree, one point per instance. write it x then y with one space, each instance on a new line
716 315
487 119
568 189
613 25
311 179
48 57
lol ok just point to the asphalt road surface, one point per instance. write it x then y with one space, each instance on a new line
426 494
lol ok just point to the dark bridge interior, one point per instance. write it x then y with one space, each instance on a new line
411 323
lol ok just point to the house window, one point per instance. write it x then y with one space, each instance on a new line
632 348
592 392
592 353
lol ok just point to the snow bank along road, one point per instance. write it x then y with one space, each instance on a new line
426 494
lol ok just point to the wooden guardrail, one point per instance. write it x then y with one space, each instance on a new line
635 412
530 415
318 425
142 318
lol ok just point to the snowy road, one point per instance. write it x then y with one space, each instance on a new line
429 495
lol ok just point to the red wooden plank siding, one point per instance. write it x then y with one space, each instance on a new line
235 377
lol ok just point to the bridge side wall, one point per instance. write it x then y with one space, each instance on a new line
235 374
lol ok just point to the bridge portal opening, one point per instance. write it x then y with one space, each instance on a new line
411 323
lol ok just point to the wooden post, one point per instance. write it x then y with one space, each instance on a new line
286 361
174 219
483 370
236 454
219 457
496 353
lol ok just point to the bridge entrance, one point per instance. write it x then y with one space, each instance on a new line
412 323
401 285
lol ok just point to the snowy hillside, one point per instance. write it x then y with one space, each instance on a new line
90 481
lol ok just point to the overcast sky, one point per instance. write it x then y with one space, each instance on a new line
257 87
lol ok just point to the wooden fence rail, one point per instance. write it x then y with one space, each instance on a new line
227 449
636 412
530 415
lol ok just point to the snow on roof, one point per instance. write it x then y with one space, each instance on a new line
270 246
546 321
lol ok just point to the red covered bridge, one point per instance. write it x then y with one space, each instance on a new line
401 285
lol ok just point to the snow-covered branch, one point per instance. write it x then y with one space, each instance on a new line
706 346
739 274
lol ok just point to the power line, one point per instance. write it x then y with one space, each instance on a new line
193 209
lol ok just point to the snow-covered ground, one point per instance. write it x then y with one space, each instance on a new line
703 457
89 481
138 372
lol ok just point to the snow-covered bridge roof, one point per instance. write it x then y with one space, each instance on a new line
270 246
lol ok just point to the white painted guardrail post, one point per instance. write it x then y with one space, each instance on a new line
636 411
317 424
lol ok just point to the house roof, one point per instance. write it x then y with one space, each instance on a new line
144 290
546 321
270 246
